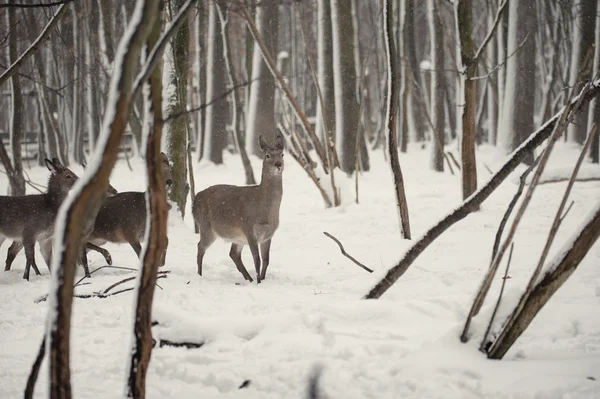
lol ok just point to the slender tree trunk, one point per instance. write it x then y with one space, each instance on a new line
346 106
468 96
79 210
437 92
217 115
391 113
16 179
325 69
417 111
261 108
594 111
157 236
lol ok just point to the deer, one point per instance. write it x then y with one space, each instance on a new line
122 218
30 218
17 246
243 215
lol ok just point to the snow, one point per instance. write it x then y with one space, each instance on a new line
308 311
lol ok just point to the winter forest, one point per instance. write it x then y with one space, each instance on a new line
324 198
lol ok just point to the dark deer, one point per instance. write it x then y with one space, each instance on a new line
246 215
17 246
122 218
30 218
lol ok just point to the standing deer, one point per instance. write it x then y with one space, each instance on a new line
30 218
17 246
122 218
246 215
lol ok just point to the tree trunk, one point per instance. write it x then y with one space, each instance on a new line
557 272
16 179
413 68
178 127
594 111
468 96
217 115
437 88
325 70
344 70
261 107
157 236
76 217
581 61
391 114
520 89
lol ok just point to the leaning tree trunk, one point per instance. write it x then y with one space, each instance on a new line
391 115
75 219
468 96
260 116
344 71
178 127
437 87
157 235
217 115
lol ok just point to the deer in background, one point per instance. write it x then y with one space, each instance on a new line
247 215
122 218
30 218
46 245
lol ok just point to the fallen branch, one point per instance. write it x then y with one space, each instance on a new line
166 342
346 254
564 179
472 202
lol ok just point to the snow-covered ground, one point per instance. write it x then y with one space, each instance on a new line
309 312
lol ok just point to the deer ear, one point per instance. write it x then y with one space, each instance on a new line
261 142
164 157
279 142
50 165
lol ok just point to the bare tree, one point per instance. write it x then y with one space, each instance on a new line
437 84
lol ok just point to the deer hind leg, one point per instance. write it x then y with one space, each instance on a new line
137 247
207 237
29 244
265 248
236 255
46 250
253 244
13 250
100 250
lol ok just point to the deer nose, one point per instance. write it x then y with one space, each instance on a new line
278 165
169 182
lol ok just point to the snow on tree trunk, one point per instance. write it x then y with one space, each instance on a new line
178 127
582 56
261 105
325 69
344 71
437 88
520 89
77 213
217 115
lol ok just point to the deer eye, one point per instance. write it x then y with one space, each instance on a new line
268 156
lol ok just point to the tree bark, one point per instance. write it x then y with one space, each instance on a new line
391 114
325 71
75 219
157 236
437 88
594 111
217 115
468 96
178 127
413 68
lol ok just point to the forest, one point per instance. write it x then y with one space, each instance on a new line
420 178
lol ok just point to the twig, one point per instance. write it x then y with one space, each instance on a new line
567 211
35 370
454 159
189 345
104 267
564 179
449 163
346 254
484 343
488 168
511 205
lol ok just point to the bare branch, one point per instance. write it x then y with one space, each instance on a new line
487 39
346 253
37 5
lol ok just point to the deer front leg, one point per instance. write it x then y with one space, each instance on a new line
137 247
13 250
253 244
236 255
265 248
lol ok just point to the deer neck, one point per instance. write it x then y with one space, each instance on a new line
272 185
54 196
